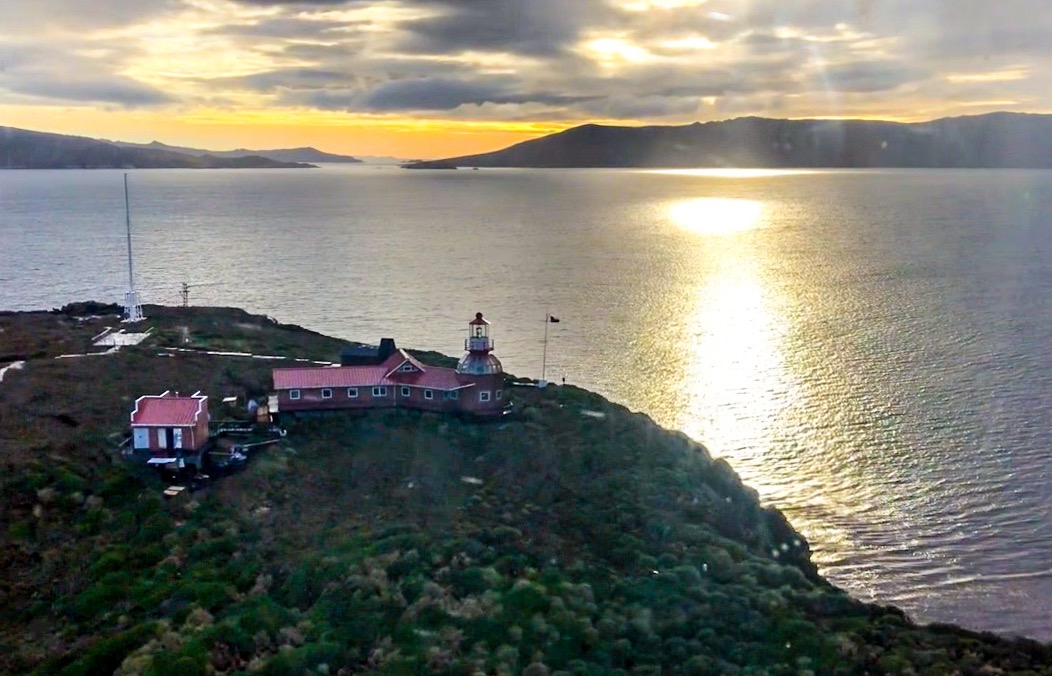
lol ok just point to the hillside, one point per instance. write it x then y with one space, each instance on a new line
22 149
998 140
575 537
308 154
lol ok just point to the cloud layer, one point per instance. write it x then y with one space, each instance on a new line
515 60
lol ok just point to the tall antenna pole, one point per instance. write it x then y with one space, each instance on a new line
127 220
132 308
544 360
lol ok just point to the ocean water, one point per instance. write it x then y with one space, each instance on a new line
869 349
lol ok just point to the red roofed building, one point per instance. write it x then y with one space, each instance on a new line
167 424
475 386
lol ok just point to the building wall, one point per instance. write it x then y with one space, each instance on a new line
472 403
201 430
192 440
311 400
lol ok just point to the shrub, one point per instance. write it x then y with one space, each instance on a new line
211 595
107 654
261 613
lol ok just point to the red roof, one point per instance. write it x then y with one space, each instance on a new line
166 410
479 320
308 377
399 359
435 377
385 374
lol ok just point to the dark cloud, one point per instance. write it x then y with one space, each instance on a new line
303 3
62 72
292 78
534 27
804 14
286 27
869 76
115 90
431 94
18 16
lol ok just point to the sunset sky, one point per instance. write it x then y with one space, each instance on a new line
432 78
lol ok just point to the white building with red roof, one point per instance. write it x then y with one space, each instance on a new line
169 425
401 380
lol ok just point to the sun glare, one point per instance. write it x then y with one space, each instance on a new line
716 215
729 172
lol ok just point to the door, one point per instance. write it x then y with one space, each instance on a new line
177 437
140 438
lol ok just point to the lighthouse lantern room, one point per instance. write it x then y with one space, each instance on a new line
478 361
478 335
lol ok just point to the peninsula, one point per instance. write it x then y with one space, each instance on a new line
572 537
997 140
306 154
22 149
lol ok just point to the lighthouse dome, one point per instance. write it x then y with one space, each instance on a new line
479 364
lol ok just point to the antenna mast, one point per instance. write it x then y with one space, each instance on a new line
132 308
127 221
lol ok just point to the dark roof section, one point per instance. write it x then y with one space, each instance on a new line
360 354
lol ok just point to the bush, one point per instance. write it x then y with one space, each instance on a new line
212 595
261 613
20 530
107 654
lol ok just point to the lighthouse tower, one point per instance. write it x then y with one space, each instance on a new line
478 365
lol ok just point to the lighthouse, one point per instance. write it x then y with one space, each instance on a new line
480 367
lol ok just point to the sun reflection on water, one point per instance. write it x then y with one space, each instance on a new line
734 173
735 381
741 389
716 215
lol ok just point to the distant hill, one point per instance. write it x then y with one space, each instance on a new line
278 155
22 149
997 140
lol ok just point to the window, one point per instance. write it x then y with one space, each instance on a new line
326 393
407 368
484 395
500 394
379 391
294 394
405 391
352 392
428 394
452 395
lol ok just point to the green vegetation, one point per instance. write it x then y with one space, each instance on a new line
397 542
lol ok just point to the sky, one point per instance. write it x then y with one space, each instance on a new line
435 78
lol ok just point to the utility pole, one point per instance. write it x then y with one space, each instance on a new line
544 359
185 290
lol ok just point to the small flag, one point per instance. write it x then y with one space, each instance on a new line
553 319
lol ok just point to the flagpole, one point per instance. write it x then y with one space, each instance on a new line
544 360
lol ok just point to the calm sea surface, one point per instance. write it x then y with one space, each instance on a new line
872 351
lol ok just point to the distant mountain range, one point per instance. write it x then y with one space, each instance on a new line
278 155
997 140
22 149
